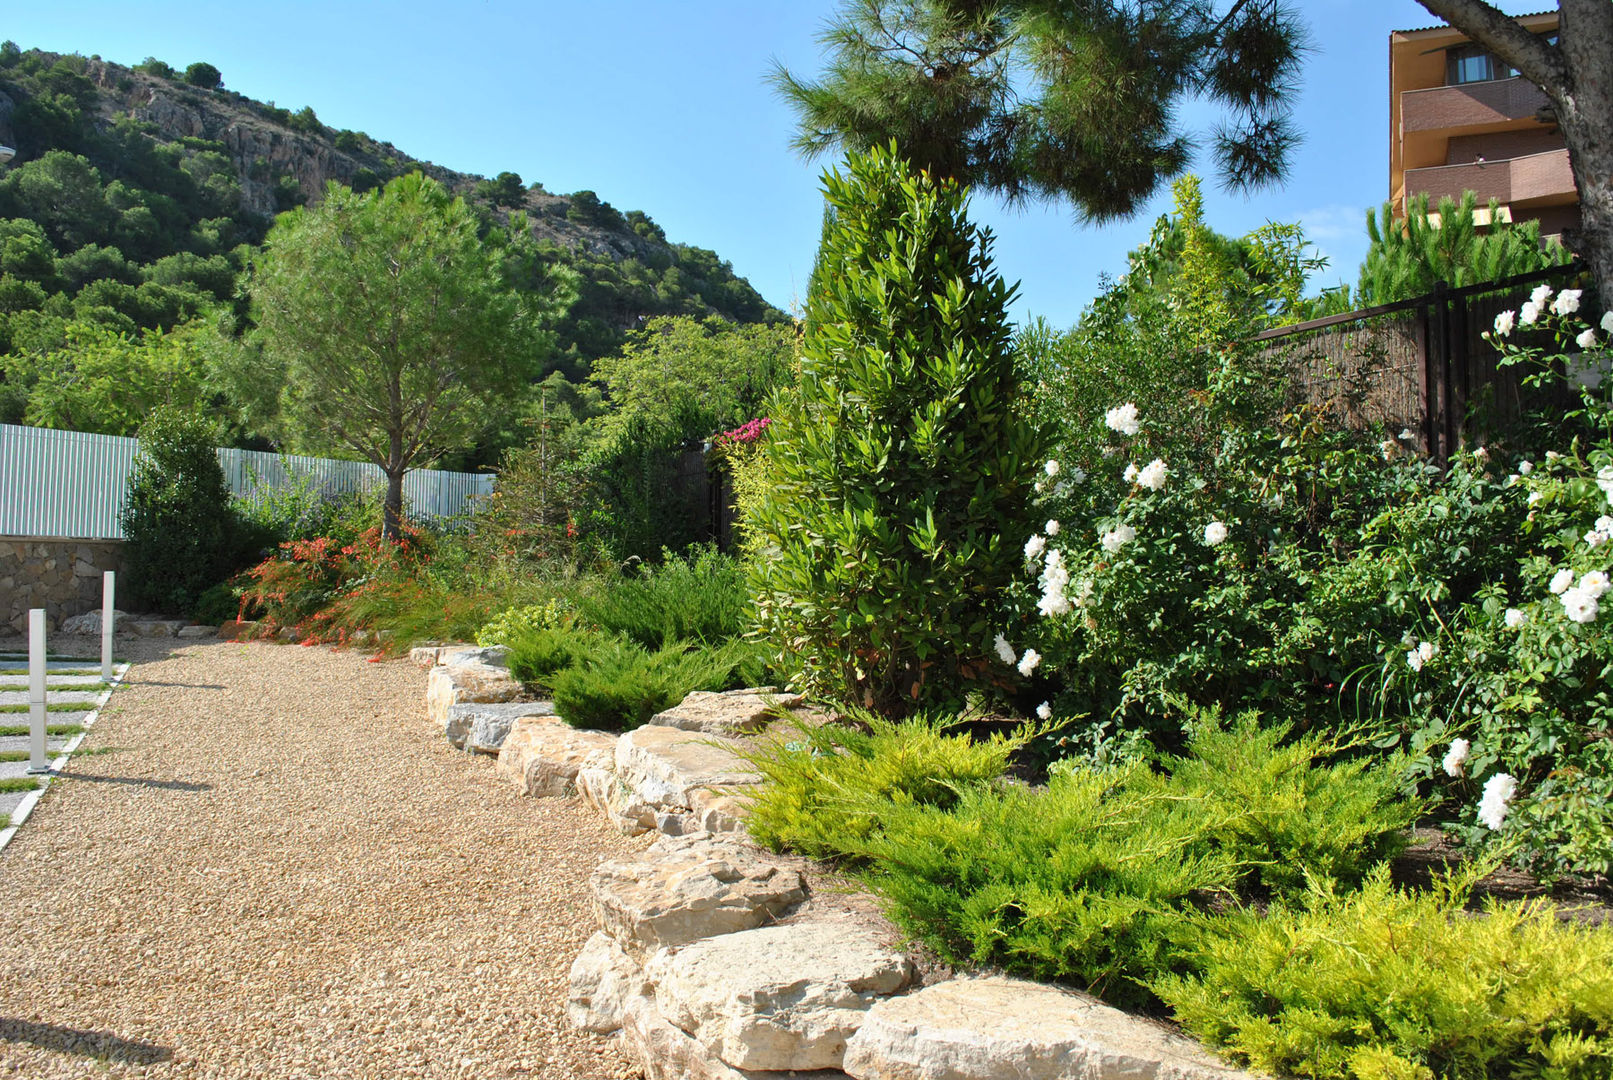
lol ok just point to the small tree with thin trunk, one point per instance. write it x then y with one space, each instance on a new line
392 326
1576 73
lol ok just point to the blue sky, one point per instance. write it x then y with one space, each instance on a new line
661 106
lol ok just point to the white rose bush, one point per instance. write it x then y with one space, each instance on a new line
1248 556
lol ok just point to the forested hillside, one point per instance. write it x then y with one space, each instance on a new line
137 197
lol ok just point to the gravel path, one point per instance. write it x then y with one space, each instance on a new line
269 864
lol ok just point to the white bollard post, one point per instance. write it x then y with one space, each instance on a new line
108 584
36 692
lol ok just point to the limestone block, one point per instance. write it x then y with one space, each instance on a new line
661 768
90 622
492 655
459 684
687 888
603 979
542 754
665 1052
196 631
1008 1029
156 628
733 712
237 630
778 997
478 724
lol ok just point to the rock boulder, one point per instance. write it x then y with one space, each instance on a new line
686 888
732 712
603 980
1010 1029
778 997
542 754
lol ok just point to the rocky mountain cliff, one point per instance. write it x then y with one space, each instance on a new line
155 146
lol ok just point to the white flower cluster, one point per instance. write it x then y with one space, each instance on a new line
1567 303
1498 792
1215 533
1054 578
1514 618
1604 480
1028 662
1123 418
1005 651
1601 532
1117 538
1424 652
1581 601
1044 711
1152 475
1034 547
1456 757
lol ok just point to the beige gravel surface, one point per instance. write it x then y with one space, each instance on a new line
270 864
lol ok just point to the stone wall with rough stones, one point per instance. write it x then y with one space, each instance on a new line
61 576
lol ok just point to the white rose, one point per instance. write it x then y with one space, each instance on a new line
1525 468
1051 468
1044 710
1456 756
1123 418
1514 618
1052 528
1153 475
1561 582
1034 547
1117 538
1504 323
1607 322
1541 294
1215 533
1586 339
1567 302
1130 475
1028 662
1529 313
1498 792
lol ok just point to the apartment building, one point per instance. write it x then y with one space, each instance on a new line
1461 120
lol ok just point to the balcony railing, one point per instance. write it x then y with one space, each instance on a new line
1470 105
1512 180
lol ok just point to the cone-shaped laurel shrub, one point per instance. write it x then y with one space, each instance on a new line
181 533
897 470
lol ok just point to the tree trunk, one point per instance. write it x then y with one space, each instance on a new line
392 512
1585 113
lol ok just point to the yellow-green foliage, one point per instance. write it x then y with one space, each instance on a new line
825 790
1087 881
1097 878
514 622
1284 819
1390 985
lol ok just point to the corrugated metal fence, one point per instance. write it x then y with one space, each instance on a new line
73 484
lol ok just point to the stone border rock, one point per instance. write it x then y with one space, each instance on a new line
716 960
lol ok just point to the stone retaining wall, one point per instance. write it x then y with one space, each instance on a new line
61 576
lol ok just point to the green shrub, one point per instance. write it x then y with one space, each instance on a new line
216 605
1100 877
899 466
1287 812
697 597
619 686
825 789
516 622
181 537
538 654
1392 985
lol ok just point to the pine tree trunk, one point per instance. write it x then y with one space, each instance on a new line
392 512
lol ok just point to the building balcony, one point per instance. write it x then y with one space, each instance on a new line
1542 179
1470 106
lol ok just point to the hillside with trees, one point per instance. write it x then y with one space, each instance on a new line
139 196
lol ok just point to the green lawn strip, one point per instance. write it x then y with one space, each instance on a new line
52 706
14 671
74 688
50 729
22 658
19 783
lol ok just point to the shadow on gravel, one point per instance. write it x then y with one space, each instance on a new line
188 685
135 781
100 1045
